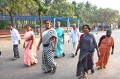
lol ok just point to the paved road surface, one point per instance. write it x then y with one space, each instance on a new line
66 69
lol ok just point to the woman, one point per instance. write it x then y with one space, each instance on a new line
49 42
87 44
105 44
30 47
60 35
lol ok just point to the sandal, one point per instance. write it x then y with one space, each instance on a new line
92 70
81 77
54 69
99 68
48 71
104 67
84 76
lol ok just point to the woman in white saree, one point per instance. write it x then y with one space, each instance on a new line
49 42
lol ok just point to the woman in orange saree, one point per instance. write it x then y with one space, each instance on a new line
105 44
30 47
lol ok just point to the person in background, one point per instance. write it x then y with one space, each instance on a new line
105 44
49 43
60 34
87 45
30 47
15 36
74 35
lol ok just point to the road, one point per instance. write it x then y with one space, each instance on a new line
66 69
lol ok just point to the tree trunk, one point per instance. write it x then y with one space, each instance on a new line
11 18
40 18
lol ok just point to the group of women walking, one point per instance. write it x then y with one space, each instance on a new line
87 45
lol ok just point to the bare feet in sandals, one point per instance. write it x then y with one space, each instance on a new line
104 67
81 77
99 68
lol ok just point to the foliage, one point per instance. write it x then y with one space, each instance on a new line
15 7
88 13
3 24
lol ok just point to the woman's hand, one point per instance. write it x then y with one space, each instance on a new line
76 53
30 47
38 48
19 42
63 42
98 54
53 49
23 46
112 53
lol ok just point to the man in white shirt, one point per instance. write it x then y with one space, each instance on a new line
15 36
75 36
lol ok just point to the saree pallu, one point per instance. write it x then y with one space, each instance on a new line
30 54
85 62
104 50
47 55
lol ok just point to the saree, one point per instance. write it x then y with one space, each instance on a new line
59 49
47 55
30 54
104 50
87 46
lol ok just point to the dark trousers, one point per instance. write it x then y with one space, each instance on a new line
16 51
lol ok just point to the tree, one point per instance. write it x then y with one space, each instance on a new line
88 6
63 9
13 7
47 2
41 10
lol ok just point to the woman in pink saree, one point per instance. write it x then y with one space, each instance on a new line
30 47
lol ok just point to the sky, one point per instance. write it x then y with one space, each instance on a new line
113 4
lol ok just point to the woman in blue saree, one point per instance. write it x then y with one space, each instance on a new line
87 44
60 35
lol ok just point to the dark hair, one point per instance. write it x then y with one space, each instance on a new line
87 27
108 30
29 25
49 21
11 25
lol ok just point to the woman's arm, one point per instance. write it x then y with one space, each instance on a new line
63 38
55 44
40 41
97 51
78 47
112 49
24 45
102 37
31 42
112 46
95 45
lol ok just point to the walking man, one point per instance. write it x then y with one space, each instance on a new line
15 36
75 36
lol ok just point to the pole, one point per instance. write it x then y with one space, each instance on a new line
54 22
78 23
68 23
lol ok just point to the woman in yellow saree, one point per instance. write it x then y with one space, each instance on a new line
105 44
